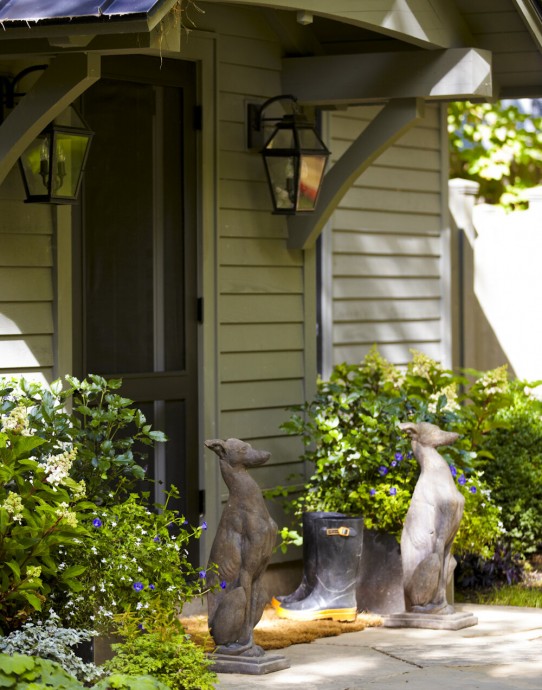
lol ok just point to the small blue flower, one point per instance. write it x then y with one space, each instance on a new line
393 463
202 574
472 489
138 586
372 492
410 455
204 525
223 584
97 522
453 471
383 470
398 456
157 539
462 480
152 587
393 491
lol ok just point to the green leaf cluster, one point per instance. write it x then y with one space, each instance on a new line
23 672
497 146
362 462
135 561
172 658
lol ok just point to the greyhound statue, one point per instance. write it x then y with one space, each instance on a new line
241 549
431 523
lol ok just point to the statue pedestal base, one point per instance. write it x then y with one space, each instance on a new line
249 665
434 621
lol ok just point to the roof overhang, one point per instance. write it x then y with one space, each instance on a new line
45 18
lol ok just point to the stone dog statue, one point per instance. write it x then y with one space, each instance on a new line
241 549
431 523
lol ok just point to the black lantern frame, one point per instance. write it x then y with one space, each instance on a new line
52 166
294 157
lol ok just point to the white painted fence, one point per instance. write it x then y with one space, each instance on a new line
500 312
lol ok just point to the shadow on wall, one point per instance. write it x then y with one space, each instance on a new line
501 282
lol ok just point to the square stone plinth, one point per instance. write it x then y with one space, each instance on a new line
249 665
434 621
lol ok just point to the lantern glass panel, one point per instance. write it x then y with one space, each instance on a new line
309 139
69 156
281 172
311 172
282 139
35 164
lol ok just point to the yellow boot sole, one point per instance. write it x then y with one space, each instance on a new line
344 615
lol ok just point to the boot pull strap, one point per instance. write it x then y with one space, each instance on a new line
340 531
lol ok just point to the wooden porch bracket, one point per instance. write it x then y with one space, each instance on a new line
67 77
392 122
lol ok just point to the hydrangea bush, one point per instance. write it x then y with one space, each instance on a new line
78 541
362 462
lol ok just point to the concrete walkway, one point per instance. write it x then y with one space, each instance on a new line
502 652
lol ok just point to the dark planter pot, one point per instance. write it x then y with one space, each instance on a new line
98 650
380 583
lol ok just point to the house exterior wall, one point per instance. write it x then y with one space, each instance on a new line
26 284
384 248
265 293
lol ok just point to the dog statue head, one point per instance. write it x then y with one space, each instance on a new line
237 453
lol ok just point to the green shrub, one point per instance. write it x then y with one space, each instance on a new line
49 641
22 672
514 469
164 651
362 462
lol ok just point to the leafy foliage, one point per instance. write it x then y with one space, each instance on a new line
23 672
38 515
504 568
498 146
49 641
362 462
513 467
135 560
164 652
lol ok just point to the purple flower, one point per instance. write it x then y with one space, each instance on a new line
204 525
410 455
223 584
453 471
152 587
156 539
393 463
462 480
382 470
138 586
472 489
393 491
398 456
202 574
372 492
97 522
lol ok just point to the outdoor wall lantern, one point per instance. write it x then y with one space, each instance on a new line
52 166
294 157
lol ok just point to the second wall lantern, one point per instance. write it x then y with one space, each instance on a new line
294 156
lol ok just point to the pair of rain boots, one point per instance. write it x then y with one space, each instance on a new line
332 544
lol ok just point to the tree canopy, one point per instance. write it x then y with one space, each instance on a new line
499 146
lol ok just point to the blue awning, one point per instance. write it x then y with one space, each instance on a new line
43 10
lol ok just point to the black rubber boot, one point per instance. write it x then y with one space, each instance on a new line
338 559
308 580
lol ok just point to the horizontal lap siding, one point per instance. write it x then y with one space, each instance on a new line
497 26
386 246
26 283
261 283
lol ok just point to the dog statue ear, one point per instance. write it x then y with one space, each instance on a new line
217 446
